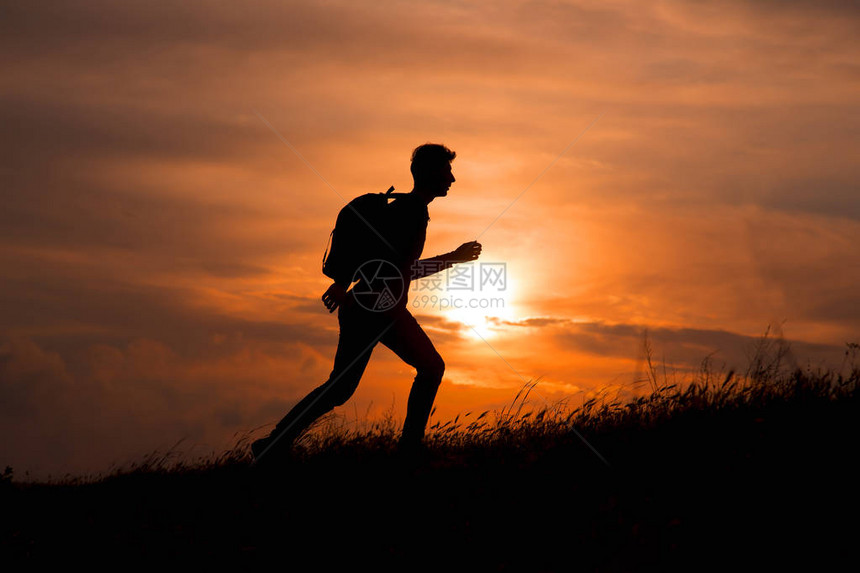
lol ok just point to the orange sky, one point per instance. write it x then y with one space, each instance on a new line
160 245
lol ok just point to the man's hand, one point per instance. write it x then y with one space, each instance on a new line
334 297
466 252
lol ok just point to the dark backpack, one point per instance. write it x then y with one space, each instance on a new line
359 235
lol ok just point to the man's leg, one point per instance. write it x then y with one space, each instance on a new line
409 341
359 333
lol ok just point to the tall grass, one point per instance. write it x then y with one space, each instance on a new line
712 463
767 382
521 426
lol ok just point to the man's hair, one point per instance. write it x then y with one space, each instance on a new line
428 158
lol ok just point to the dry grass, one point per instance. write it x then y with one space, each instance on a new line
707 393
715 463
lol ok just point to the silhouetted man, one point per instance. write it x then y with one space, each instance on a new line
362 326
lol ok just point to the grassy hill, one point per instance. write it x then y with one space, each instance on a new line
748 471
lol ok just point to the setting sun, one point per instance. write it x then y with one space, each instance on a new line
482 315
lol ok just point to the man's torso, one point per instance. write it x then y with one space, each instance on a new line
405 230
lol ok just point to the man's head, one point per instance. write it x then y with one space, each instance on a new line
431 169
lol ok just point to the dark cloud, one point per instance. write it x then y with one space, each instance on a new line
830 196
104 33
181 231
47 128
309 305
688 347
28 375
233 269
836 7
131 400
103 371
73 311
840 304
442 332
536 322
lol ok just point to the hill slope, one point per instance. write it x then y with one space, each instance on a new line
747 474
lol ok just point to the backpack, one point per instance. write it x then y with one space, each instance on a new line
359 235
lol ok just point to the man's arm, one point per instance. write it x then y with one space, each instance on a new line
464 253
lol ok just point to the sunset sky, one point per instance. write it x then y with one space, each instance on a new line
171 173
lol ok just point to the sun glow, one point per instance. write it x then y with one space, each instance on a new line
483 313
478 323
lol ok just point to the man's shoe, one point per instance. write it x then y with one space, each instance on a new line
273 450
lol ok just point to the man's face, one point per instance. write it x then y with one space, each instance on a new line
442 180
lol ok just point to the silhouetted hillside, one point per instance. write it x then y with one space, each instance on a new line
746 472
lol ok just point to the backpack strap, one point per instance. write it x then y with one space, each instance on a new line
328 245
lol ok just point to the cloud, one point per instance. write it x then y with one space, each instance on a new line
442 332
91 403
29 375
832 197
536 322
686 348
